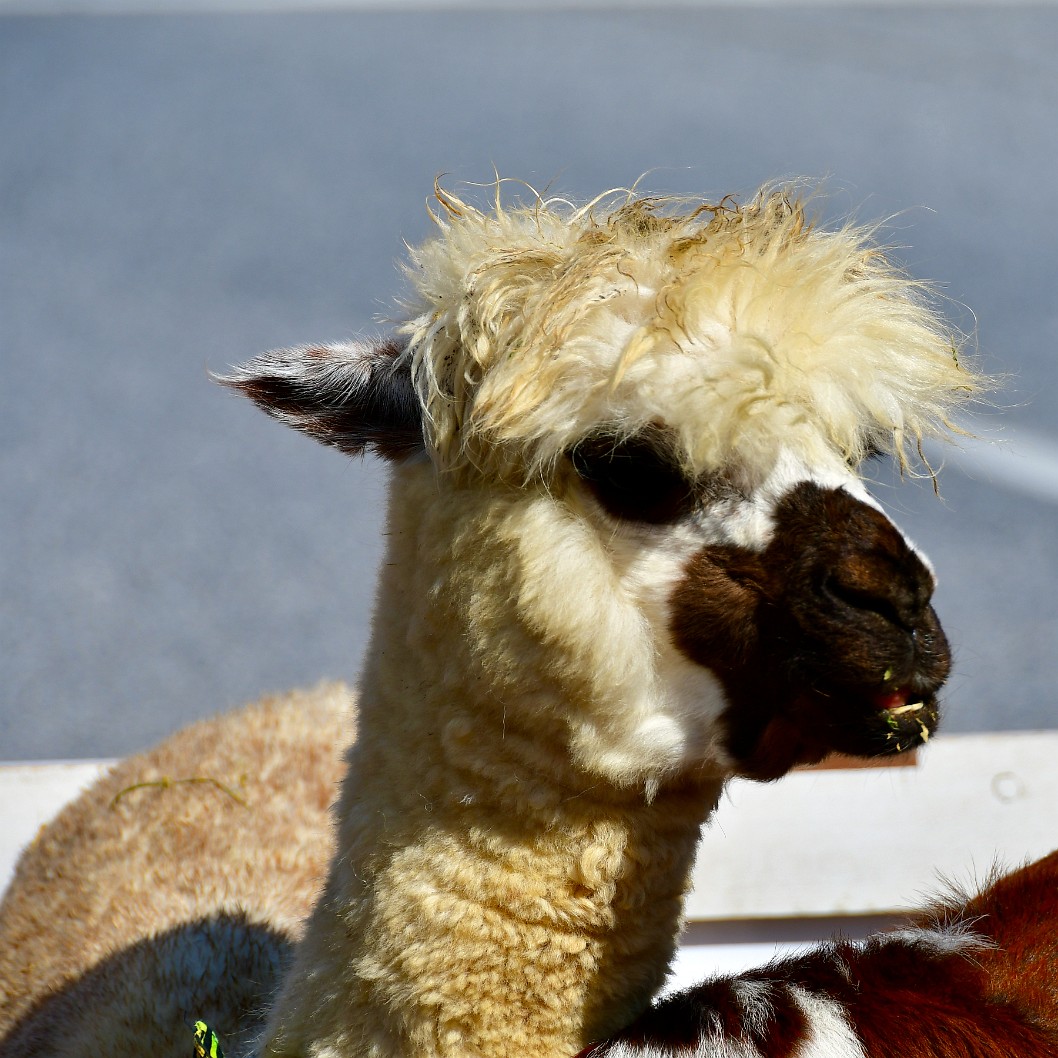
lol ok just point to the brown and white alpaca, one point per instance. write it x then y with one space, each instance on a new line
971 977
630 554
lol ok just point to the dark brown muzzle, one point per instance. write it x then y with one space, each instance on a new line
824 641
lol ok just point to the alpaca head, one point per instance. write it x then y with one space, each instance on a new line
670 407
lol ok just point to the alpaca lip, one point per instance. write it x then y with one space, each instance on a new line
907 725
852 722
885 725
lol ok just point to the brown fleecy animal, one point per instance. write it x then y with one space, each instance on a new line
630 554
973 977
174 888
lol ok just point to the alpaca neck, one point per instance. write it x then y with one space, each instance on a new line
476 908
488 895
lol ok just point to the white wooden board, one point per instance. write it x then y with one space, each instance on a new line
877 840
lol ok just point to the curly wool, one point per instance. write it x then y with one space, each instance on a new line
735 326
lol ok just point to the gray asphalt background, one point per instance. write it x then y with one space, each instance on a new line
180 192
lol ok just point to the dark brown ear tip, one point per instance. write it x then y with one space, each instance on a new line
229 381
356 396
273 395
217 378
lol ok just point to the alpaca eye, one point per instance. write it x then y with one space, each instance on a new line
632 479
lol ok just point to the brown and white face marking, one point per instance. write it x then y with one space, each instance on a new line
785 615
792 617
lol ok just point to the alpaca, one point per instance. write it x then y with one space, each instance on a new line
630 554
151 898
971 977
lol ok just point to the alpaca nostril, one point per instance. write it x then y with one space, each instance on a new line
897 605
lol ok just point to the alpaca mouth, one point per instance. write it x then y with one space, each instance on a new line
909 725
854 722
888 724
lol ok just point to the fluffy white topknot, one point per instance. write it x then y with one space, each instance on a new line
736 328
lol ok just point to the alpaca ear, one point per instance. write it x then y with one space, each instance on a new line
356 396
